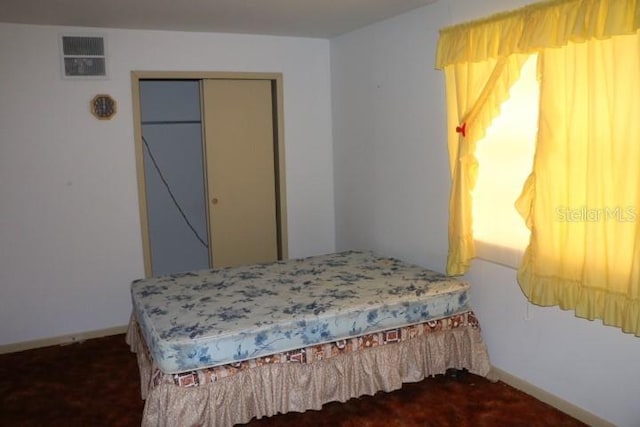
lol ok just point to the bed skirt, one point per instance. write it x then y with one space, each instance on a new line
296 387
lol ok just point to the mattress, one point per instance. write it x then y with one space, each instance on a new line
326 351
207 318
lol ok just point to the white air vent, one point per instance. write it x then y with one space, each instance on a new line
83 56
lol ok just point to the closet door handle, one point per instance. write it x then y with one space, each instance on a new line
214 201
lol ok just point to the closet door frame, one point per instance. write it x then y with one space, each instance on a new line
279 152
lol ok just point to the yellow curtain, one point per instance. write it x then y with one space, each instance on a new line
481 60
582 201
587 157
538 26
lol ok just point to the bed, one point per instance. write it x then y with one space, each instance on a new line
220 347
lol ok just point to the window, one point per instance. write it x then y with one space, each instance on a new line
581 201
505 156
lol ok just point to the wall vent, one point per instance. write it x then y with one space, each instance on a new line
83 57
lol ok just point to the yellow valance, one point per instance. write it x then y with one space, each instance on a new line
541 25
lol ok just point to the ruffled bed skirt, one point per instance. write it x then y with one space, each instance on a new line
279 388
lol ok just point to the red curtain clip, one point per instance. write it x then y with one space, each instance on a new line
462 129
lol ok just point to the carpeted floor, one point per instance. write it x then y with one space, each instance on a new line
95 383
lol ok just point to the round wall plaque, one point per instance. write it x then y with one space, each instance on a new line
103 107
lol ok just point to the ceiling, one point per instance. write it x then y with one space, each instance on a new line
300 18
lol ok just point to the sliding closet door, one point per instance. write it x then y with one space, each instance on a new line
171 133
241 185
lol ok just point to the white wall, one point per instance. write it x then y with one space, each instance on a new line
391 190
69 225
389 167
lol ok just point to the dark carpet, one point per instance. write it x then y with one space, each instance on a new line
95 383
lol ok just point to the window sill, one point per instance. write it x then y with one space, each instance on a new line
502 255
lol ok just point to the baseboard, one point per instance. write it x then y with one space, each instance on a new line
550 399
62 340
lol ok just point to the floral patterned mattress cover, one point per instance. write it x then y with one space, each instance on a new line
206 318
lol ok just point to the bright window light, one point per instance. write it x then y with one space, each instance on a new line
505 158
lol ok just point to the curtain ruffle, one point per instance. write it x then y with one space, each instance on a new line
496 92
613 309
279 388
461 251
531 28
